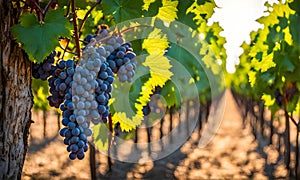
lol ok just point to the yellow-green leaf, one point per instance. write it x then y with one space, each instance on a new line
156 42
252 78
147 4
268 100
126 123
168 11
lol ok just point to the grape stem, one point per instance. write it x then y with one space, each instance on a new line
86 16
75 28
132 28
47 7
37 6
66 50
68 9
93 43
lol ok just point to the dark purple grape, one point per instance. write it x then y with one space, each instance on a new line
43 70
72 156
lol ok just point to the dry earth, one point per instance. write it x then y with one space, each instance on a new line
232 154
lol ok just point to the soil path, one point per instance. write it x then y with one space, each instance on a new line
232 154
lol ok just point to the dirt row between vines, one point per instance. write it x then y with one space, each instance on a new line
232 154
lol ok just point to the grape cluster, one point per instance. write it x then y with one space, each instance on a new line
59 82
279 97
105 79
75 139
123 62
82 90
44 70
80 106
290 92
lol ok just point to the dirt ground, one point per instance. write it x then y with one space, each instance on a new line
232 154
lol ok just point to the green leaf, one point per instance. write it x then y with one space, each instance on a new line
123 10
186 17
171 94
39 40
100 135
40 91
147 4
259 56
78 4
62 3
268 78
122 101
284 63
295 5
283 22
274 36
28 20
202 11
295 28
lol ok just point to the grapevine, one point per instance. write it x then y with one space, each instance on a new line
81 89
270 64
40 27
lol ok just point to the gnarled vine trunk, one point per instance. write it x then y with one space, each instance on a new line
15 96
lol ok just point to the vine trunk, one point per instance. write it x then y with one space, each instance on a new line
15 96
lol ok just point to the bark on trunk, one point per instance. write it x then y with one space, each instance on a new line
15 96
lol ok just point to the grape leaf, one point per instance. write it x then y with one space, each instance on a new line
122 10
202 12
295 28
252 78
156 42
78 4
295 5
283 63
159 68
186 17
267 63
39 40
283 22
269 101
153 8
100 135
147 4
168 11
171 94
266 78
127 124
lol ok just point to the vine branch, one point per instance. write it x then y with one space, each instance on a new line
37 6
110 125
87 15
75 28
132 28
47 7
293 120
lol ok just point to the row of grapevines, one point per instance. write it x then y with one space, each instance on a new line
271 60
269 66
